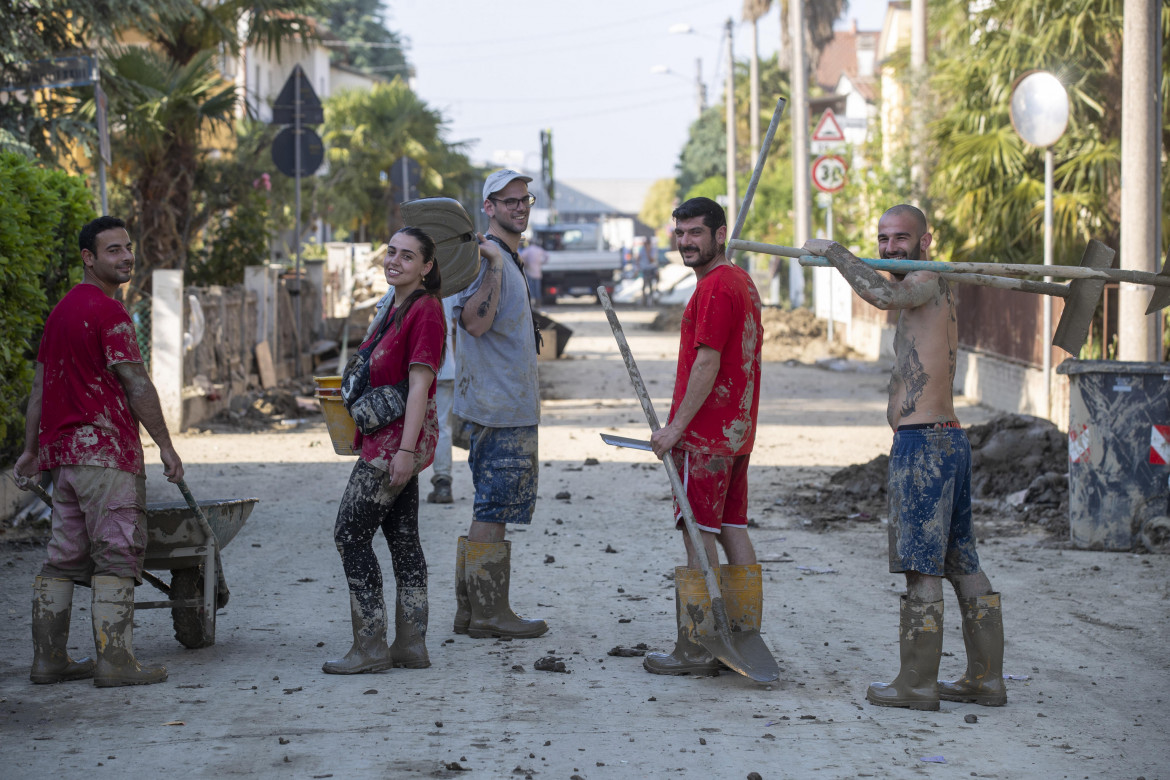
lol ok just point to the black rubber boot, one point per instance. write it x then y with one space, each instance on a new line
462 608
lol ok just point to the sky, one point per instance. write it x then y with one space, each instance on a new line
502 72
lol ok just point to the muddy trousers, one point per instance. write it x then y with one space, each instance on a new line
370 503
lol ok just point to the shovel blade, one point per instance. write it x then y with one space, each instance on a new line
739 651
1082 299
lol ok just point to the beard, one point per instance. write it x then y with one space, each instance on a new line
913 254
702 257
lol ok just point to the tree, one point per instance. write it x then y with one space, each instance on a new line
988 184
365 133
363 21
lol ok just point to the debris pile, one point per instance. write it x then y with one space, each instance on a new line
290 404
789 334
1019 478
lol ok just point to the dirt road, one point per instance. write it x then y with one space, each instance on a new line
1086 631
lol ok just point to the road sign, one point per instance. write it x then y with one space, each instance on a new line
284 110
405 176
828 129
53 73
828 173
284 151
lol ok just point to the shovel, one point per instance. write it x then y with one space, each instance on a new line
744 651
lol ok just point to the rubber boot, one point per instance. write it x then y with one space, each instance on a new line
462 608
369 653
693 613
113 635
488 574
920 639
742 588
983 638
52 604
442 492
409 650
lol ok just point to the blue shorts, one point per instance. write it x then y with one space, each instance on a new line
930 503
504 470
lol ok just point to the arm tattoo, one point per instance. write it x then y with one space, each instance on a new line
482 310
915 379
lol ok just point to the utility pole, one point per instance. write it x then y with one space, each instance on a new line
918 108
1138 333
700 87
732 190
754 116
801 207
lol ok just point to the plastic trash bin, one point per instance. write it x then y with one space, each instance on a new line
1118 448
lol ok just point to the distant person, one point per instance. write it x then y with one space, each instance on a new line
90 393
382 492
711 430
496 392
534 258
444 397
648 266
931 534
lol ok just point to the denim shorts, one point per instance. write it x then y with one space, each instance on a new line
930 503
504 469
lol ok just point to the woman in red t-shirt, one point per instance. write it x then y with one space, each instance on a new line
383 487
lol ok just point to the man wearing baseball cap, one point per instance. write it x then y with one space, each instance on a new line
496 394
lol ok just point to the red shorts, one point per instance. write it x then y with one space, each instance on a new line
716 487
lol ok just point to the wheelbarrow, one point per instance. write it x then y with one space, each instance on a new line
184 538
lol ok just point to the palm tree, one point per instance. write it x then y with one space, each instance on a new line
164 110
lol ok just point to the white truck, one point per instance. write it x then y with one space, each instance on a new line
579 260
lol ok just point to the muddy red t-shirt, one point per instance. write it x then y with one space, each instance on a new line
419 340
85 416
723 314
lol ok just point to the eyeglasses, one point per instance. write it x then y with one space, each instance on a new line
511 204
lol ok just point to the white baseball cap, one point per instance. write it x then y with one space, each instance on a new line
500 179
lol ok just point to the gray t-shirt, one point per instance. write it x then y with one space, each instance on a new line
495 374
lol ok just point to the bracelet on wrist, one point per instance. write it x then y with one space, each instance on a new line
403 449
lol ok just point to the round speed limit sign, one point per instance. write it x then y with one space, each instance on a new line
828 173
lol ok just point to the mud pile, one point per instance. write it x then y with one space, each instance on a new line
1019 478
789 334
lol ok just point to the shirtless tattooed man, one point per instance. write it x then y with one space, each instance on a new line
931 534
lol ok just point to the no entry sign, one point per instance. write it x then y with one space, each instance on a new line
828 173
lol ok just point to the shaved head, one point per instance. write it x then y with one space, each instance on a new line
906 210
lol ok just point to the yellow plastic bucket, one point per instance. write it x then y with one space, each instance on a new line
337 419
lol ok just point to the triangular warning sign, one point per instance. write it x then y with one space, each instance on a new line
285 109
828 129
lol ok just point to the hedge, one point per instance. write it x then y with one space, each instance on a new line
41 214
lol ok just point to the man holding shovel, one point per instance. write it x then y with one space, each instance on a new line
496 393
89 395
711 429
931 535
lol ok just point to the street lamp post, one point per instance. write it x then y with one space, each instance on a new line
1039 113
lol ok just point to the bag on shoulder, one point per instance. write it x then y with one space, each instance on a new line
379 406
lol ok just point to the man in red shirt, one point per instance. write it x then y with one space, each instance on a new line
711 430
89 394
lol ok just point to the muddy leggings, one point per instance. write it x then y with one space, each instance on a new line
370 503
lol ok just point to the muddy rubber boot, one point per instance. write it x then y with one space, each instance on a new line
367 611
488 575
920 641
52 604
409 650
693 613
462 608
983 637
113 635
442 492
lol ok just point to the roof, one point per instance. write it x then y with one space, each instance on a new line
840 56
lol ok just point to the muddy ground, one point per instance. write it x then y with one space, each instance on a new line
1086 631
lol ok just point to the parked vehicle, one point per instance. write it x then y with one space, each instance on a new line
579 260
